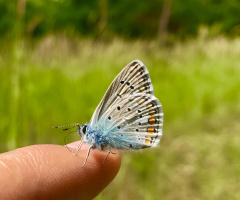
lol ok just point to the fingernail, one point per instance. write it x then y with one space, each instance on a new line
73 144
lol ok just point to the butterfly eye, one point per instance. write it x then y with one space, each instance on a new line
83 129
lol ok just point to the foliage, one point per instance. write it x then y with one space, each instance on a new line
129 19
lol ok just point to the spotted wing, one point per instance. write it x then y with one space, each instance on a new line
134 78
133 122
129 114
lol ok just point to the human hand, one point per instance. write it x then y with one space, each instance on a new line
52 172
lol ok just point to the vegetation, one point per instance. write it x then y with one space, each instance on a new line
128 19
57 58
197 82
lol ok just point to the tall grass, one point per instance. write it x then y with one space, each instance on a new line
61 81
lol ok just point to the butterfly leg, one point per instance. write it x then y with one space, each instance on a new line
79 147
87 155
106 156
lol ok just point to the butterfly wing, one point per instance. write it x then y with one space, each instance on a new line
129 114
132 79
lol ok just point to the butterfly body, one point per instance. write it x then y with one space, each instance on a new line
94 136
128 117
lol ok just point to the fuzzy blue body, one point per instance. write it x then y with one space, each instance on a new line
96 136
99 137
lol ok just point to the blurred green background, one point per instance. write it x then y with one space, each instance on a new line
58 57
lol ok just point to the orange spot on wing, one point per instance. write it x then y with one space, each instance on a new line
152 112
151 121
140 102
149 106
141 89
147 141
131 99
150 130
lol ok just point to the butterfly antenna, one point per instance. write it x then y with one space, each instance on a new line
65 129
66 138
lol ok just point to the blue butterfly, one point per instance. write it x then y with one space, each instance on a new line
128 117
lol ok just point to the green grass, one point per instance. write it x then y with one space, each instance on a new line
61 81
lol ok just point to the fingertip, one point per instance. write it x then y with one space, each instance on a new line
91 179
113 159
98 162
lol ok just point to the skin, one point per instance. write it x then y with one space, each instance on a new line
52 172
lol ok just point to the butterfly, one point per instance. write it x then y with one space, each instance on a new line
129 116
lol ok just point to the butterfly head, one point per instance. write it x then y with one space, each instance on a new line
82 129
